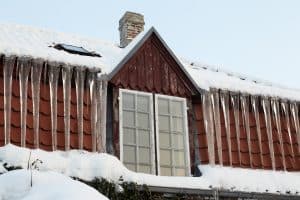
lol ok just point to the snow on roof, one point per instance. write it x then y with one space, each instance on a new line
28 41
45 185
87 166
208 77
23 40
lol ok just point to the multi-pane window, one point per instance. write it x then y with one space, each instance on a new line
137 151
138 139
171 136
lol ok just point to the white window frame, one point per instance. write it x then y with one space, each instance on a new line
185 127
151 115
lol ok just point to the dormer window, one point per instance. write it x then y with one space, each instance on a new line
75 50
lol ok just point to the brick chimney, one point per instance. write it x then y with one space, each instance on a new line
130 25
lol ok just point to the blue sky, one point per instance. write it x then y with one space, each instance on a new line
254 37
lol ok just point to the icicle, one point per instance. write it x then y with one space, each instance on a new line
254 102
225 107
79 82
53 80
103 110
215 99
209 127
93 98
66 79
286 112
276 114
24 69
98 124
266 108
294 112
36 72
8 68
245 111
236 109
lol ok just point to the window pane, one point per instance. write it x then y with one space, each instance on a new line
129 136
178 141
165 157
130 167
176 108
164 140
129 154
163 106
128 101
177 124
128 119
165 171
179 172
143 103
144 169
179 158
144 138
143 120
144 155
164 123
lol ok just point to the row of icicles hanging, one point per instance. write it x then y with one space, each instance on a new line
271 108
97 89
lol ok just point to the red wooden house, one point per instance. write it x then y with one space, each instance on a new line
157 113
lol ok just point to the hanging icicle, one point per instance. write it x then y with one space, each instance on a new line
24 64
92 76
36 72
66 79
79 82
9 63
254 102
103 110
53 70
235 101
285 108
294 112
225 107
209 126
245 111
215 99
98 124
276 114
267 114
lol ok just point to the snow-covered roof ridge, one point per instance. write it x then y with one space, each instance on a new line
215 76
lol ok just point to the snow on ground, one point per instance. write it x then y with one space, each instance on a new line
87 166
15 185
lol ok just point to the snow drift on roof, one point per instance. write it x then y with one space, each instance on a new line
87 165
28 41
208 77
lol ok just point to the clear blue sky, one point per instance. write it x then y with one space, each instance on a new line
255 37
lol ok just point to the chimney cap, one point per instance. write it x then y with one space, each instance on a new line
130 25
132 17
